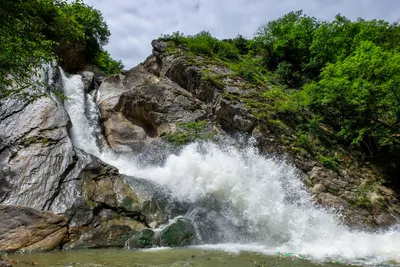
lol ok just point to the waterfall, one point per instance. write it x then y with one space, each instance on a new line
242 200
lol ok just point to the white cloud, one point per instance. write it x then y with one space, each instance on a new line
134 24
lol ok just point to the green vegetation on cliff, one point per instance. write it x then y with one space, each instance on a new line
33 32
333 83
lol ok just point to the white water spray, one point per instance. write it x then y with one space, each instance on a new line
263 196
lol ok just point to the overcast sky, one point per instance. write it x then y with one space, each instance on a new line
134 23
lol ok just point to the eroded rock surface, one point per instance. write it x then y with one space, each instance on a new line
36 149
27 229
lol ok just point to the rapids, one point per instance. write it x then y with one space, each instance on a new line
240 200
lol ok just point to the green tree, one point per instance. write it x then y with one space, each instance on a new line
287 41
107 64
336 40
92 29
23 45
360 97
33 32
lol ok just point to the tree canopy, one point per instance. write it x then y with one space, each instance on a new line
33 32
347 73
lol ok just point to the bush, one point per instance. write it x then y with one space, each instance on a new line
226 50
107 64
188 132
242 44
202 43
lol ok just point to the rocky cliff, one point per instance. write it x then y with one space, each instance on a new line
171 97
151 100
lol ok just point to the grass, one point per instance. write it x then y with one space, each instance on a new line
330 162
213 78
189 132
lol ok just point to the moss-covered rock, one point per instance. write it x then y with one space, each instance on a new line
141 239
181 232
113 236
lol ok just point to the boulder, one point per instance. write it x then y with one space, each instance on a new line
159 48
113 236
27 229
182 232
141 239
138 107
106 199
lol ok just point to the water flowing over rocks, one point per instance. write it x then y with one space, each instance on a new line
41 169
56 157
149 100
180 232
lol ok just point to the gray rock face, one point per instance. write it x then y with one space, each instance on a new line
148 101
158 48
41 169
138 107
234 115
26 229
36 149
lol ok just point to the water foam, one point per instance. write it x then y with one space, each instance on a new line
264 196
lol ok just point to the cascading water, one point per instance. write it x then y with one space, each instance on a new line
255 203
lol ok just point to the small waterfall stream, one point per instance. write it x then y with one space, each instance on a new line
256 203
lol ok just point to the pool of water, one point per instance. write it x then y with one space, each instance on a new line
164 257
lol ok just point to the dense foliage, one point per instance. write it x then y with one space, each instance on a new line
329 80
33 32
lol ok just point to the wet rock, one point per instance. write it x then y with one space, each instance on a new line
141 239
81 213
107 199
27 229
4 263
35 143
181 232
113 236
88 79
318 188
